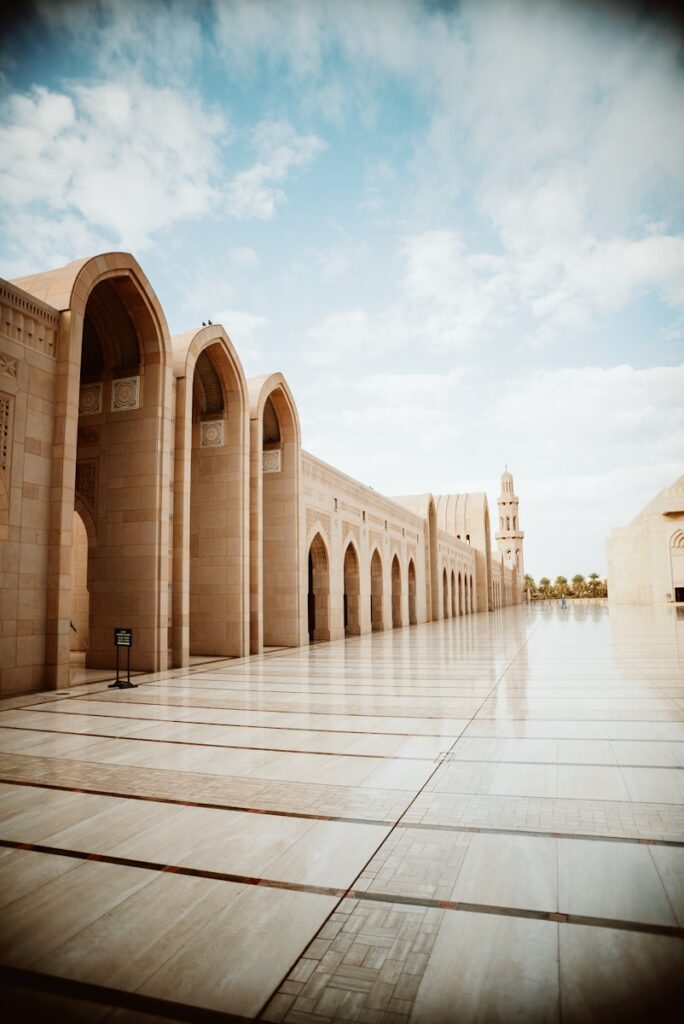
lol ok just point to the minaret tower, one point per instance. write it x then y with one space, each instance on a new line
510 537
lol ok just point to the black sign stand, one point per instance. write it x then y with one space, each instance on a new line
123 638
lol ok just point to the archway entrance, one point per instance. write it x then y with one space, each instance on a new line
318 591
118 481
396 593
461 609
413 618
470 602
352 625
376 592
445 595
454 609
80 596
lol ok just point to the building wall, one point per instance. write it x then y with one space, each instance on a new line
646 560
200 545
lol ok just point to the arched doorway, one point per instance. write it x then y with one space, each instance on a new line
120 484
413 618
396 593
461 609
277 588
377 623
80 595
318 591
470 603
351 592
454 610
445 594
677 565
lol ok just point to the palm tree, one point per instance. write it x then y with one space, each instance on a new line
594 583
544 586
561 586
578 585
530 585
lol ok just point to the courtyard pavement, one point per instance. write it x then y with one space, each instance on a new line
474 820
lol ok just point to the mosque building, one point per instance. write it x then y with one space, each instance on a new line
146 483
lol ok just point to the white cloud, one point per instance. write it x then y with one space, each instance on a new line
257 191
246 331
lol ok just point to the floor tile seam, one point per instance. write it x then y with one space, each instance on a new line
352 732
214 746
339 893
243 725
498 910
204 804
543 764
174 869
578 799
297 711
544 834
115 998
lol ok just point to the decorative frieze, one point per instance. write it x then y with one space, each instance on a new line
27 321
319 521
272 462
125 394
6 410
351 528
86 481
211 434
8 366
90 400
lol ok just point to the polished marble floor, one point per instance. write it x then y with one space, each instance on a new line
474 820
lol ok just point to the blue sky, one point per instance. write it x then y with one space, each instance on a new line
456 229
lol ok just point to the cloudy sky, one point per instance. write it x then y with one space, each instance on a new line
457 229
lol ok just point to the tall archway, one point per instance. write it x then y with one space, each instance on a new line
377 620
80 594
276 584
318 591
454 600
413 617
433 560
461 609
677 565
396 593
445 595
471 608
352 583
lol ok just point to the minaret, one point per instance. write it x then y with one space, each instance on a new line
510 537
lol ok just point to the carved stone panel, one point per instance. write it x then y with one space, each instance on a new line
272 462
351 528
86 481
211 434
8 366
90 400
318 520
125 394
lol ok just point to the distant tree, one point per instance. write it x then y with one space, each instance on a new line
530 585
594 584
561 587
544 586
578 585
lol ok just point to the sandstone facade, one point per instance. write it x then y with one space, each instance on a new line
144 482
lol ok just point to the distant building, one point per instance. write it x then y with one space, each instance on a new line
646 558
145 483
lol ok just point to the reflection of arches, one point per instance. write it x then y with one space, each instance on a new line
318 590
274 514
377 623
396 593
413 617
210 594
454 609
445 595
352 625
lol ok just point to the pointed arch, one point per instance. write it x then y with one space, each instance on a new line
377 588
352 589
445 594
454 601
277 583
413 617
396 593
318 604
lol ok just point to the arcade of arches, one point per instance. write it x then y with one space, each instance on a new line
146 483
